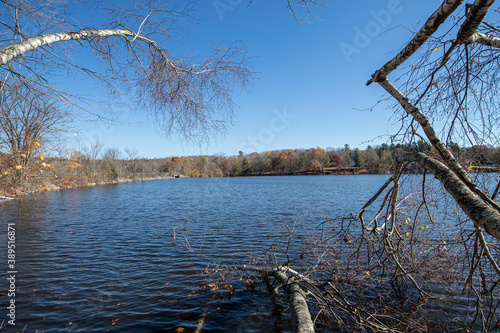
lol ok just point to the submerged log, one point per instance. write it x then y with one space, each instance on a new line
301 317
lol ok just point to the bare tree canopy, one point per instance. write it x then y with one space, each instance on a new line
27 117
455 87
132 41
308 6
406 256
447 95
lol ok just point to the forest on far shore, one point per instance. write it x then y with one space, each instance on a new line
28 172
374 160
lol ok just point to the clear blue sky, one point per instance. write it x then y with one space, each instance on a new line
310 88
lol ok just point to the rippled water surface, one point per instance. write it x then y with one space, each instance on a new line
128 257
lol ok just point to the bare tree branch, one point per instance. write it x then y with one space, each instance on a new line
482 214
432 24
474 19
485 39
195 100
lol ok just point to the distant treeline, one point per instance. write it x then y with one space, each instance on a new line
376 160
24 173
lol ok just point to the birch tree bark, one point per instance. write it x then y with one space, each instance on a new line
193 97
466 35
301 318
481 213
447 91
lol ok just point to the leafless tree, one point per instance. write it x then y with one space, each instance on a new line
452 80
420 240
91 159
27 117
309 7
111 163
132 41
28 120
132 153
133 165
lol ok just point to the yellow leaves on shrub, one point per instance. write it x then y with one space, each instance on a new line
436 49
179 330
42 158
38 144
368 273
18 167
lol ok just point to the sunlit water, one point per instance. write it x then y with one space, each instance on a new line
128 257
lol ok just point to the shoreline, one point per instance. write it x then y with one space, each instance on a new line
53 187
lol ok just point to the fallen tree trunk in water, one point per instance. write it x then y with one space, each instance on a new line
301 318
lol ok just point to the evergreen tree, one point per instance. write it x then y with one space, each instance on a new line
246 168
358 160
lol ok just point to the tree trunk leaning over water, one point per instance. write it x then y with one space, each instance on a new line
481 213
490 219
448 97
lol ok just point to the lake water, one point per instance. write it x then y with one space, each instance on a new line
129 257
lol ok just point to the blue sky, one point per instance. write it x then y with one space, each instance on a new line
310 78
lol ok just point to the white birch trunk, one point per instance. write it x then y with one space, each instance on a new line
16 50
485 39
301 318
474 18
482 214
447 156
432 24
